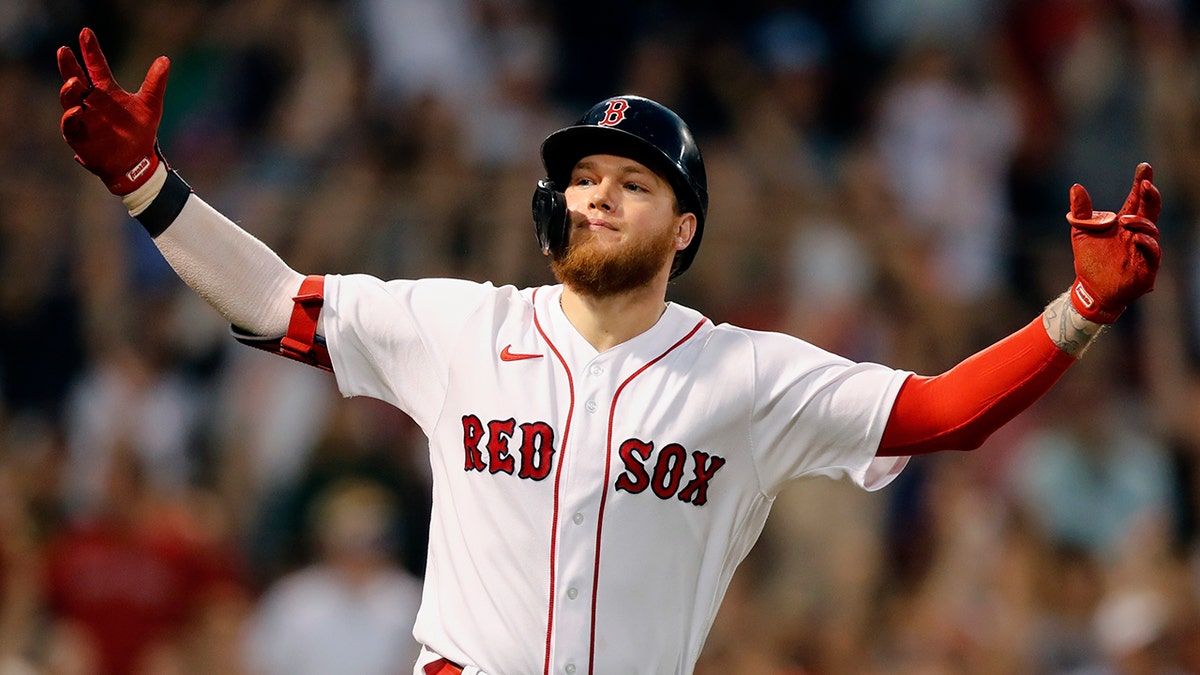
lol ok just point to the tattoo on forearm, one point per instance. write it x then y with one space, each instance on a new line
1067 328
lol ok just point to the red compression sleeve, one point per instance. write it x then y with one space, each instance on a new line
960 408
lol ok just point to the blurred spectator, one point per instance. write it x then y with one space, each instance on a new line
270 418
1092 477
789 141
1104 102
352 610
1132 630
966 600
947 143
41 348
890 26
19 569
133 399
363 441
420 48
1069 588
510 115
125 579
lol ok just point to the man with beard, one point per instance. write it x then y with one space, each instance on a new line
602 459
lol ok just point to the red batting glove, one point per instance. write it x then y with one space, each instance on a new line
1116 254
113 133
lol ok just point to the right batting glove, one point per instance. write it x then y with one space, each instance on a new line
1116 254
113 133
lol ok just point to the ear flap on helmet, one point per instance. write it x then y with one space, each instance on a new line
550 219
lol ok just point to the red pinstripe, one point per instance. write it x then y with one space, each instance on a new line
557 475
604 493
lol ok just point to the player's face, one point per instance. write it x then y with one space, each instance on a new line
625 226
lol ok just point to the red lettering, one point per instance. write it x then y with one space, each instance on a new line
696 491
668 471
472 432
537 450
537 459
499 432
635 479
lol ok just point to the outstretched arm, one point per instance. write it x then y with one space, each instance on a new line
1116 260
114 135
242 278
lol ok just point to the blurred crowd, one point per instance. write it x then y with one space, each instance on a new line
888 180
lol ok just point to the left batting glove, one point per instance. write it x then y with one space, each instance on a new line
1116 254
114 133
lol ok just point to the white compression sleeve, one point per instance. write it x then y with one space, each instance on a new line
237 274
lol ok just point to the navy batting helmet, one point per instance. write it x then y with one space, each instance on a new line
627 126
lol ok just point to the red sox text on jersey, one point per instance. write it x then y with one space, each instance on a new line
527 451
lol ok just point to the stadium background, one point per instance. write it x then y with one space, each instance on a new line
888 181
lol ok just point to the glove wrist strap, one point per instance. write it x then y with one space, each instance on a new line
1088 305
132 179
139 199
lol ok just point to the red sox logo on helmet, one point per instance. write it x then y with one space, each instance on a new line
615 113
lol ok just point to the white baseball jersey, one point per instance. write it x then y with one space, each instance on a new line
589 508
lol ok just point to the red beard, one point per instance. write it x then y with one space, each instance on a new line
592 268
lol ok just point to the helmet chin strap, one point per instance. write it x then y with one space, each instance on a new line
550 218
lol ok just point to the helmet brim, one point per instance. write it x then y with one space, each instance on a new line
563 149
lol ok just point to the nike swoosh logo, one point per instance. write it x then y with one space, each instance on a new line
507 354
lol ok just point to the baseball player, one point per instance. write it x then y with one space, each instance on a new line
602 459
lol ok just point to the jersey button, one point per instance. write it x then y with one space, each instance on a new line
570 669
597 369
577 518
572 593
591 406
